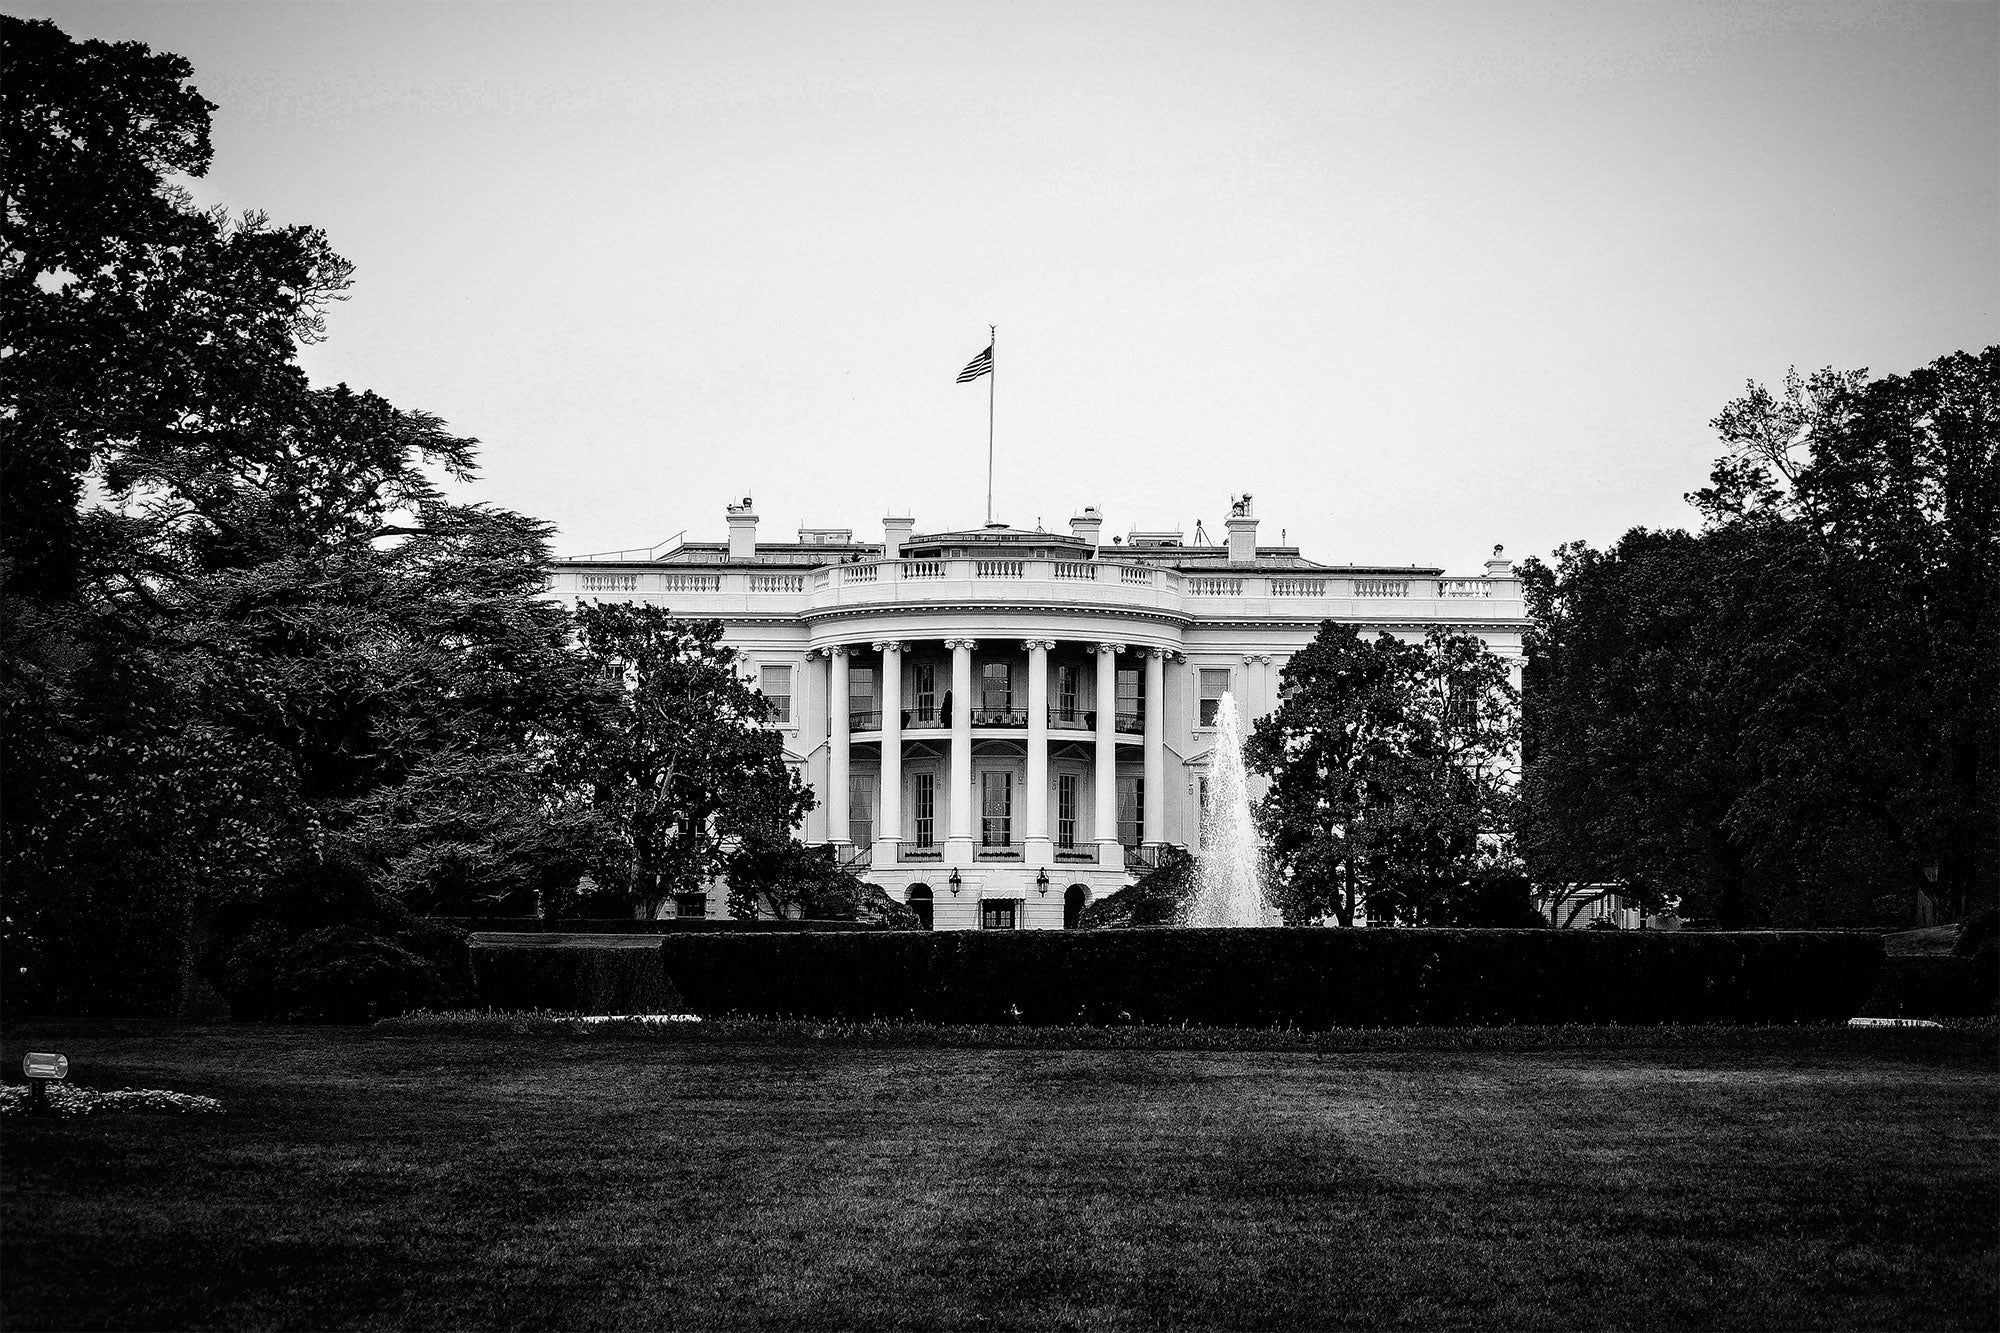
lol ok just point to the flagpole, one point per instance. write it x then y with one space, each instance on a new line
992 374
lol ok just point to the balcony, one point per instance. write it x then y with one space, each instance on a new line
1079 855
912 854
997 851
1125 722
1142 857
998 717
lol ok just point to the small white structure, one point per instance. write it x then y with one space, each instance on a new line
1003 725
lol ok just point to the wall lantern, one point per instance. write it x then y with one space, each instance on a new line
955 881
1042 882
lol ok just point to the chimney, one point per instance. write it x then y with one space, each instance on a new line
896 531
1499 567
1242 531
1087 525
742 531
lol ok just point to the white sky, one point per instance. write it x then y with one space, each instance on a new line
1422 278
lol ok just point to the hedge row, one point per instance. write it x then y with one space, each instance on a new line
1264 978
625 925
1936 986
619 980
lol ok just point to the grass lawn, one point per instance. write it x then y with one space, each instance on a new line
363 1179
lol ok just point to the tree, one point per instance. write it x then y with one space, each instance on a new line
771 874
671 757
237 609
1389 766
1789 715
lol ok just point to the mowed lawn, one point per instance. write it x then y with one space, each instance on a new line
367 1180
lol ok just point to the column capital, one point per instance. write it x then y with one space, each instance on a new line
887 645
1044 644
1167 654
967 644
1261 658
1110 647
839 650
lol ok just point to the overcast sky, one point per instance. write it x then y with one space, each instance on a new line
1421 278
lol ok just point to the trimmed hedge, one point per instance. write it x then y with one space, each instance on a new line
625 925
1936 986
574 979
1307 978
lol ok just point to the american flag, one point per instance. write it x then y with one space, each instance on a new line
979 365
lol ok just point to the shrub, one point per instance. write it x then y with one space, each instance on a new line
1261 978
1936 986
575 979
626 925
343 974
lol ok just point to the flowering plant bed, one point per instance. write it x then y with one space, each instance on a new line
68 1099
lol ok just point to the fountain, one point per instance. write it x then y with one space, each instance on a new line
1227 888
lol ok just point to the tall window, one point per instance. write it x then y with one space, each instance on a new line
1214 684
1131 811
1066 810
996 687
776 682
996 809
925 806
998 914
861 698
923 679
861 810
1131 694
1068 704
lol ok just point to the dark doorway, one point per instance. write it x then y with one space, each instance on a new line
1075 898
920 903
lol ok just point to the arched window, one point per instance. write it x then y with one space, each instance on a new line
1075 898
919 899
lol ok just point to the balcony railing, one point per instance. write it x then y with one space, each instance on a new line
1130 722
910 853
997 851
1142 857
923 718
999 717
1073 719
1078 854
864 719
1076 569
1204 587
1298 587
1381 587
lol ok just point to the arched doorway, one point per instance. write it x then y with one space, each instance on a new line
1075 898
919 899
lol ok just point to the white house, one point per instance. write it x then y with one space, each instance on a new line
1003 725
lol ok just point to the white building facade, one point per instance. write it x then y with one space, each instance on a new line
1003 726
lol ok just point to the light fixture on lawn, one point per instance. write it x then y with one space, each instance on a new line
1042 882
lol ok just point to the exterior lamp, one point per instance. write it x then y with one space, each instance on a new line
1930 873
1042 882
955 881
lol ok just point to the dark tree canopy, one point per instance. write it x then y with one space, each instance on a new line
1789 716
1390 768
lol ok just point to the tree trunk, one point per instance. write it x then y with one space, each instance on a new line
199 1001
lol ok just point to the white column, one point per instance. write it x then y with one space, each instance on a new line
1105 830
1155 809
1036 847
959 830
836 745
889 809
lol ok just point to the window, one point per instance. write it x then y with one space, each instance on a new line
925 808
998 913
776 683
1068 703
860 810
996 809
1131 811
923 686
996 688
1214 684
861 714
1066 810
1131 694
690 904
